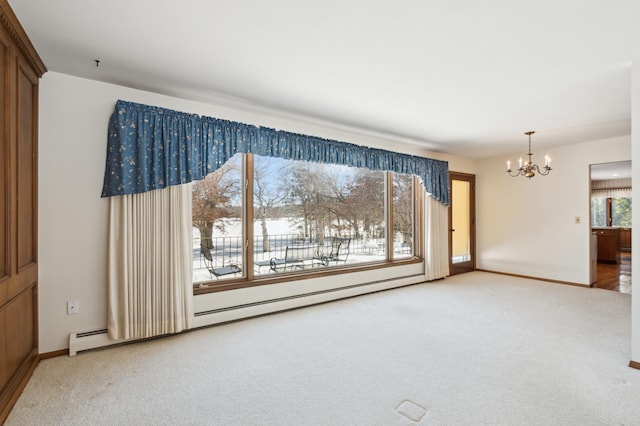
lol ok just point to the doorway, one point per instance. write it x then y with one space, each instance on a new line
610 193
462 223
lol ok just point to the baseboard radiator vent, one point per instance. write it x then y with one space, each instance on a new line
263 307
288 298
99 338
89 340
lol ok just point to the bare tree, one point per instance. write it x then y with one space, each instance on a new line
364 203
212 198
325 200
266 195
335 192
403 206
302 182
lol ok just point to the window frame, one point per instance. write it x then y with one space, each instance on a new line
250 279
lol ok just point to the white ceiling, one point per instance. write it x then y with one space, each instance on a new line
458 76
608 171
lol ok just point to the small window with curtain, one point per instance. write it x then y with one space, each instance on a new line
611 203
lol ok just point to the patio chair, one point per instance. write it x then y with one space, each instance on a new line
221 271
338 253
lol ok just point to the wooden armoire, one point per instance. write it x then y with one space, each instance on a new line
20 71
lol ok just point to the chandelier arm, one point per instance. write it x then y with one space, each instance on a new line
546 171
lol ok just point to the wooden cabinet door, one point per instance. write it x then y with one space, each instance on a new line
608 245
20 70
625 239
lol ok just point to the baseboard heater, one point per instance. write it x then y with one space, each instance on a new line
89 340
265 307
99 338
301 296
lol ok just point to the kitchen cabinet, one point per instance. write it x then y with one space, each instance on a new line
608 244
625 239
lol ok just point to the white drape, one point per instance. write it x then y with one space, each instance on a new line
149 273
436 239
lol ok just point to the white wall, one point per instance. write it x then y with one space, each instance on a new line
524 227
74 113
528 227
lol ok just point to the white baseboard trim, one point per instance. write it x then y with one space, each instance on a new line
549 280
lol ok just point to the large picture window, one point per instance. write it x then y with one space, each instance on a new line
302 217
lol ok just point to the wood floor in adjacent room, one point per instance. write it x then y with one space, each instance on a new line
616 277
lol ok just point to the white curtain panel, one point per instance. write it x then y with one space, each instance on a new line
436 239
150 263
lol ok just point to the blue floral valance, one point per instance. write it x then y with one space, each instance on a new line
152 148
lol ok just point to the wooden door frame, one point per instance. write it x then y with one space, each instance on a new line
459 268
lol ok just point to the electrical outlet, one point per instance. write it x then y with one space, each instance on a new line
73 307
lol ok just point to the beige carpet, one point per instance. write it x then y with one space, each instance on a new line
473 349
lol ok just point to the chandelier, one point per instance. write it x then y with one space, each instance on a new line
528 169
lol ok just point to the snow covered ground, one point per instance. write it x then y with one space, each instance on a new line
282 232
